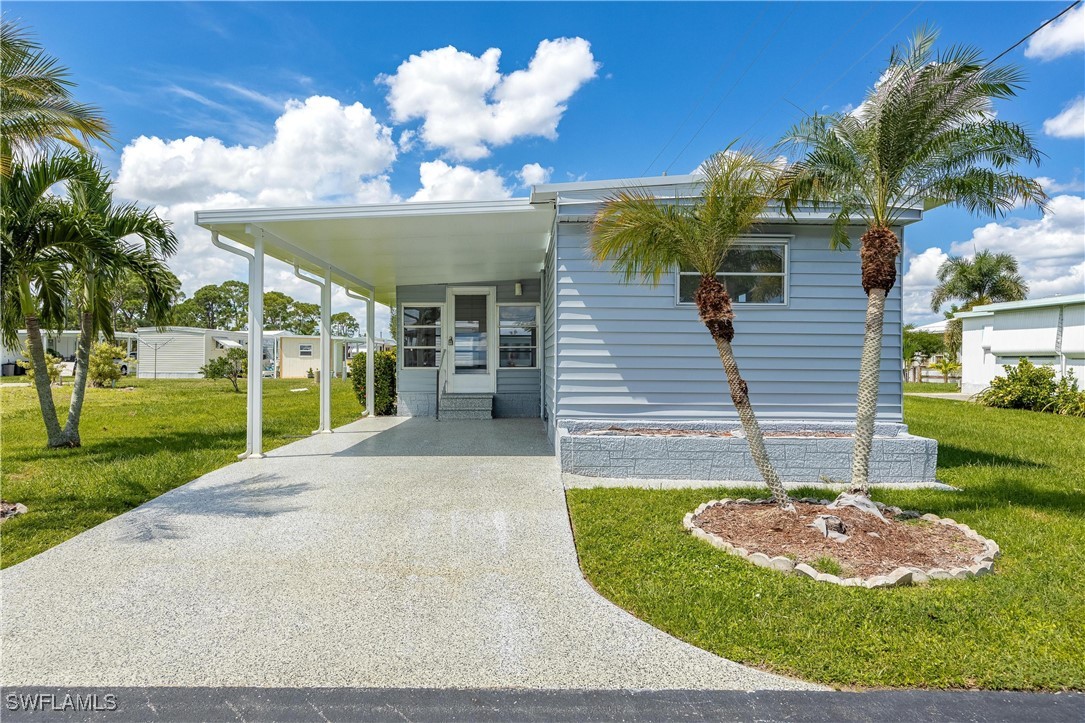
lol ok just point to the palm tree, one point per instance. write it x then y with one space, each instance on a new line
988 278
926 135
39 241
645 238
97 269
37 111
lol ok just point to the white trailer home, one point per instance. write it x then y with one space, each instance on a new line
1048 332
178 352
63 344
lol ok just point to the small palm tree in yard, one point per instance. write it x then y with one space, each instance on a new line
645 238
128 240
987 278
926 135
39 241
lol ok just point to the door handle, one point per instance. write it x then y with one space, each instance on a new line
451 341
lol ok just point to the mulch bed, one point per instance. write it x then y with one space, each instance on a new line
872 548
649 432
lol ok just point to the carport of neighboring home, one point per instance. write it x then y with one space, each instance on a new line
535 327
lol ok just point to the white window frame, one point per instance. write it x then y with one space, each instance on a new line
758 240
538 333
401 351
305 350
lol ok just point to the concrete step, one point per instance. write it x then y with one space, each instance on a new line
450 414
467 402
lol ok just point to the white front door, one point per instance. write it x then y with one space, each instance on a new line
471 340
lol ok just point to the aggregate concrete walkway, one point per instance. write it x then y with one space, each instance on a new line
394 553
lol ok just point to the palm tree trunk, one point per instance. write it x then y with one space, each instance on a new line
79 384
714 306
866 408
880 248
53 432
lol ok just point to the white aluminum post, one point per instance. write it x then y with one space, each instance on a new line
370 325
326 354
256 350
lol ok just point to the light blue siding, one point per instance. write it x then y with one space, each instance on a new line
549 336
630 350
517 389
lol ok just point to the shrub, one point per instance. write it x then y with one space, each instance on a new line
101 369
229 366
52 363
1028 386
384 381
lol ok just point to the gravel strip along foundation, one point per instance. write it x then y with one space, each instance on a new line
980 562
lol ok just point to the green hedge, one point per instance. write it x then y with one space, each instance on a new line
384 381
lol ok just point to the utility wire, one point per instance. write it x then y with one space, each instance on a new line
719 73
1065 10
860 59
809 70
734 85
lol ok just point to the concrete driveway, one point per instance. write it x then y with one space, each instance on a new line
393 553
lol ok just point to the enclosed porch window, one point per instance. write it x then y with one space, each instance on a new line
421 335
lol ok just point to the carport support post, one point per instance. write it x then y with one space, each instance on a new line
256 349
370 325
326 354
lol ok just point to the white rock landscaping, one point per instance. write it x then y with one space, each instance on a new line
983 563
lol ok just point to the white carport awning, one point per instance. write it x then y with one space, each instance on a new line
385 246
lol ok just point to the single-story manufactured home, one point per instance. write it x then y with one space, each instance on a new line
64 344
503 312
1048 332
296 355
178 352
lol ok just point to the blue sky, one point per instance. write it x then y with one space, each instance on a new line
635 88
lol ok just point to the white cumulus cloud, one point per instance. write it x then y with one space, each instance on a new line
1070 123
444 182
1050 252
467 106
919 280
1051 186
533 174
1062 37
322 152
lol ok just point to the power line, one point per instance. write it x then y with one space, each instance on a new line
1064 11
860 59
719 73
734 85
809 70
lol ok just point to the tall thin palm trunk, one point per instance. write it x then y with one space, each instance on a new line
879 251
714 307
79 384
54 433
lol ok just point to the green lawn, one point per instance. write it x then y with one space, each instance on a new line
931 387
1022 628
137 444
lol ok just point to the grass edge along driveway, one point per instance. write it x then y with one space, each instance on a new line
137 444
1022 628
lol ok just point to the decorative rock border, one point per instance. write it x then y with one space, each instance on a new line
982 563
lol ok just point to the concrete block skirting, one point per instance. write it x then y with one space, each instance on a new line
416 404
897 457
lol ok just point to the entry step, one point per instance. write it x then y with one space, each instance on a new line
467 406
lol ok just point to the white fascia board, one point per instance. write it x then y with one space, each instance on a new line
213 217
1067 300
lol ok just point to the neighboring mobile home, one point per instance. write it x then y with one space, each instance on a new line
296 354
1048 332
178 352
503 312
64 344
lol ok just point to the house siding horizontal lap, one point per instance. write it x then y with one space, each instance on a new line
180 354
629 350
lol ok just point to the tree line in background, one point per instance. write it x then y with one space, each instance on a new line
226 306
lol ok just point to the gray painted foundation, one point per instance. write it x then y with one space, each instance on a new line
897 457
